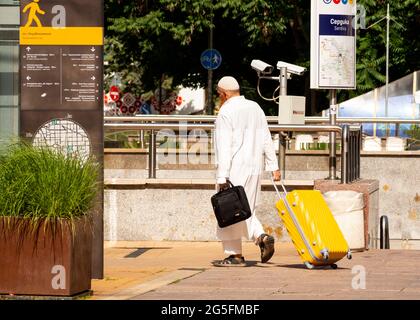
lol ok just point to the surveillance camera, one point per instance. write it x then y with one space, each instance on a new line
291 68
261 67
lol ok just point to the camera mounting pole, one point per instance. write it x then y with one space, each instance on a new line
282 135
294 105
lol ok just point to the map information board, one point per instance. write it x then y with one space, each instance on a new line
336 62
333 44
65 136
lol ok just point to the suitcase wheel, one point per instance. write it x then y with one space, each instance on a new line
325 254
334 266
349 256
309 265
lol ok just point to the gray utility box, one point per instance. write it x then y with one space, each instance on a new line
291 110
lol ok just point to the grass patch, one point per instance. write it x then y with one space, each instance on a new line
44 185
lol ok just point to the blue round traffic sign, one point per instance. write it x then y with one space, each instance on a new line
211 59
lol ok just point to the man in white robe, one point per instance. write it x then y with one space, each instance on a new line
242 143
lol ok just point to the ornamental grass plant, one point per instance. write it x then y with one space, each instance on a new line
45 187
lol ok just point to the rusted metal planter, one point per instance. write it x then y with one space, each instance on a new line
48 262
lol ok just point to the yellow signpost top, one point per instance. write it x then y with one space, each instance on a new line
61 36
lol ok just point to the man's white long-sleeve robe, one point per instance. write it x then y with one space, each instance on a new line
242 141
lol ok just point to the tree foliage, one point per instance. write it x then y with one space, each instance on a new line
151 40
404 49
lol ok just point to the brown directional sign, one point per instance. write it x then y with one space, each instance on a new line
61 96
61 55
61 77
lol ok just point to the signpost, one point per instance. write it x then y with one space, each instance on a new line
61 96
333 54
114 93
211 59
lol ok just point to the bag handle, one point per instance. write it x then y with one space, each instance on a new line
283 197
230 185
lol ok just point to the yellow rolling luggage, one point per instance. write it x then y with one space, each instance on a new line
312 227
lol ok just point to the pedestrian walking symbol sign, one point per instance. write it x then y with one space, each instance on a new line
211 59
33 8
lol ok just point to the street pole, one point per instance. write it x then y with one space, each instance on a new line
333 122
388 20
210 73
282 135
387 67
210 92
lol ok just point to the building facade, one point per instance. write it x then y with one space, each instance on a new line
9 69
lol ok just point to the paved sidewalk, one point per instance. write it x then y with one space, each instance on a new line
183 271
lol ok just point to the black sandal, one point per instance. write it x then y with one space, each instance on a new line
266 243
231 261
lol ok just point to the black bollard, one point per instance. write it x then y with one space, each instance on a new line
384 233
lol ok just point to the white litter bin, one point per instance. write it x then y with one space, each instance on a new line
347 208
394 144
323 139
372 144
303 141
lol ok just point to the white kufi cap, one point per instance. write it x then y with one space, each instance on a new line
228 83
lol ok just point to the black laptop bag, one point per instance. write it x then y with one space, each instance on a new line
230 205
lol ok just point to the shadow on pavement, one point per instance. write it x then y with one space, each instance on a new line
248 263
302 266
139 251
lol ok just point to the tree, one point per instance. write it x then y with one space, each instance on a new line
146 41
153 40
404 44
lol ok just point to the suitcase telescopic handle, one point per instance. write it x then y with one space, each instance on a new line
277 190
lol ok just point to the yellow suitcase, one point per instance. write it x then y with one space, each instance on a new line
312 227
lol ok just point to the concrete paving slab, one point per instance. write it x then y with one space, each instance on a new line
164 280
183 271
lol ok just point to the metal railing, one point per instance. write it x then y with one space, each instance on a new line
210 119
270 119
351 138
153 127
